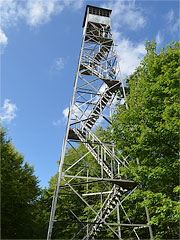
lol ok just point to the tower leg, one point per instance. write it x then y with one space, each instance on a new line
118 221
150 227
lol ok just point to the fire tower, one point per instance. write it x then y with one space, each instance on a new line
94 177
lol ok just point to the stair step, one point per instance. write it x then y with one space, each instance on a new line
95 114
94 153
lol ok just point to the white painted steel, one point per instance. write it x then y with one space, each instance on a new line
97 81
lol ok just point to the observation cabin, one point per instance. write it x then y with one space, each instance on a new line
100 17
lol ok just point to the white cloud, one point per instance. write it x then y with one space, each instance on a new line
159 38
170 16
3 41
57 123
8 111
78 4
125 13
173 23
33 12
65 112
176 26
59 63
63 120
9 12
74 4
130 54
134 19
40 11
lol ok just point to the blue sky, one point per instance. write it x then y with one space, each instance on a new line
40 42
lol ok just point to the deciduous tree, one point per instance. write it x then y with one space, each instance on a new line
148 132
19 193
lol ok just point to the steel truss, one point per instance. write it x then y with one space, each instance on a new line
97 82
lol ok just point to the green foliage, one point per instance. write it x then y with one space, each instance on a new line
148 132
19 193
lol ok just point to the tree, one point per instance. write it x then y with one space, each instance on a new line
148 132
19 194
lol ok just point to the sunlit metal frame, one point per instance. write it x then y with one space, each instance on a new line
98 79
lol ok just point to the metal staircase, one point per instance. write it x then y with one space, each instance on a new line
97 82
86 136
109 204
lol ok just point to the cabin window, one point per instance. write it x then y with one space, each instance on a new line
99 12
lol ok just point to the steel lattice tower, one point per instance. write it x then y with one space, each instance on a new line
97 82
